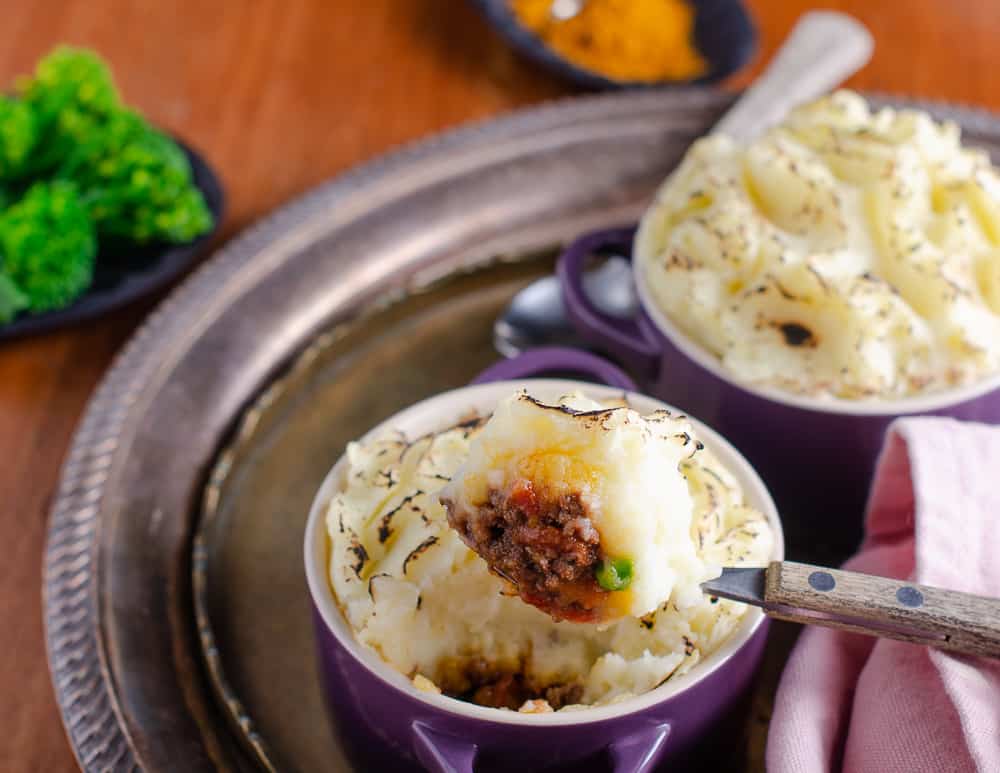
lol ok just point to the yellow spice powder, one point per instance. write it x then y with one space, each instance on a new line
626 40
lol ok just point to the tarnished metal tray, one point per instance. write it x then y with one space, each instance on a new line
201 450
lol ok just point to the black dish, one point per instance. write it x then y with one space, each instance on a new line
723 33
124 273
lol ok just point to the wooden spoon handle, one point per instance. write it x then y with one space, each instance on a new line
879 606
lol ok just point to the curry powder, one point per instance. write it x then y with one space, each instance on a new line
624 40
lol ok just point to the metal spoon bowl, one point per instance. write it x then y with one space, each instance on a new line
537 317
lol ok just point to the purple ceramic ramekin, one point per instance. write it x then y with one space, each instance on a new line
817 455
387 724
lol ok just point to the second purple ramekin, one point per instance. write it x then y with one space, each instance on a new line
816 455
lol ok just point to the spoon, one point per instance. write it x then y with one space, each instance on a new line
536 316
862 603
823 49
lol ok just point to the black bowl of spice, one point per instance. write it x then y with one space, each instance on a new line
629 43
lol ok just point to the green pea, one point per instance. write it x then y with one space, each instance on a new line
615 573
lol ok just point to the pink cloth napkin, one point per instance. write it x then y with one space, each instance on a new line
849 702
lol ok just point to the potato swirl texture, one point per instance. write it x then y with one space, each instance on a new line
847 253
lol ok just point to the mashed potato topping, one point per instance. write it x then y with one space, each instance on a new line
553 495
845 253
413 591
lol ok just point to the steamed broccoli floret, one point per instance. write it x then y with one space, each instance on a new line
137 184
48 246
71 95
106 171
18 135
71 77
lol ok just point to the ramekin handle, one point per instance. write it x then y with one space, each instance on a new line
639 752
442 752
621 338
550 359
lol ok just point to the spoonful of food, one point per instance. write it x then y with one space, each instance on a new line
586 513
580 507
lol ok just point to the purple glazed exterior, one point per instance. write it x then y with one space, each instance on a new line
386 727
818 463
546 359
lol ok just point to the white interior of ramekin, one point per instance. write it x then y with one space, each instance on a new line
439 412
921 403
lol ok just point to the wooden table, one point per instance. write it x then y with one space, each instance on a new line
281 96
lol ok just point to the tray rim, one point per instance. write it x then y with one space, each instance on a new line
91 712
236 714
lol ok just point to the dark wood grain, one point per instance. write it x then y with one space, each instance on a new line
879 606
280 96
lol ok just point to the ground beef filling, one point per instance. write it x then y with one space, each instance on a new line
479 681
512 691
546 547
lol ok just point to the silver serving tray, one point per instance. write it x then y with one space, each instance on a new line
226 408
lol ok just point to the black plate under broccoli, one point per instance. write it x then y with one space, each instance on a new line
97 206
125 272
